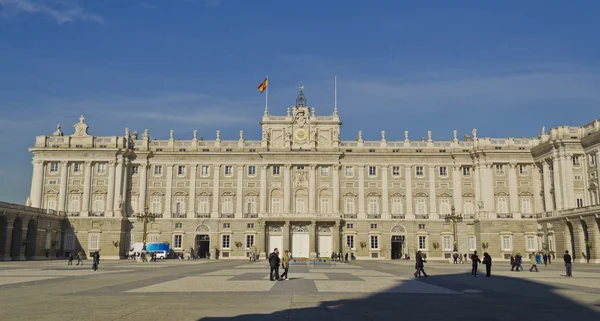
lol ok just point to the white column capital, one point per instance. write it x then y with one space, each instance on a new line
64 162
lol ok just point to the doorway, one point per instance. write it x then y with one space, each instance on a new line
397 246
202 245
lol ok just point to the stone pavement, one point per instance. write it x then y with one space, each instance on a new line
239 290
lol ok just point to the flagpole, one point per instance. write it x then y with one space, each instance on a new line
335 95
267 97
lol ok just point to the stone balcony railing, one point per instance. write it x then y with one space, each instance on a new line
202 215
373 216
250 215
227 215
29 209
572 211
421 216
350 215
179 215
96 214
468 216
504 215
397 216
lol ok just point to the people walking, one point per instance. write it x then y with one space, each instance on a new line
533 263
487 261
455 257
96 260
70 259
568 261
475 261
79 258
419 265
285 264
274 264
545 257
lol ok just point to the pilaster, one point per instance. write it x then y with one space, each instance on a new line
287 189
361 192
312 239
215 196
336 189
37 183
557 182
548 201
192 196
118 202
87 186
62 196
513 190
239 197
385 193
409 203
570 183
433 213
312 189
263 189
537 189
110 197
457 189
169 193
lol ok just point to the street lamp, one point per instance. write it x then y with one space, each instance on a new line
454 218
145 217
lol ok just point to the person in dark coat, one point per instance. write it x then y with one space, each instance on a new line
274 262
419 264
96 258
568 263
475 261
487 261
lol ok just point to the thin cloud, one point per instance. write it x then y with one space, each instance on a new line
62 11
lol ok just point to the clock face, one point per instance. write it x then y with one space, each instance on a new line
301 134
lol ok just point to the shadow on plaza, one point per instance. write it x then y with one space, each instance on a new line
481 298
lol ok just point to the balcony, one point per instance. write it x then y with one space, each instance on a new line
73 214
96 214
226 215
350 216
373 216
469 216
202 215
397 216
422 216
528 215
250 215
504 215
179 215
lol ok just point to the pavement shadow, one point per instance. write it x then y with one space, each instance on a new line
444 297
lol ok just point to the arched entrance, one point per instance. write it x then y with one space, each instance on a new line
3 234
202 242
15 242
31 240
585 241
398 242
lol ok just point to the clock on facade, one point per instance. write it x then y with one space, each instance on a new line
301 134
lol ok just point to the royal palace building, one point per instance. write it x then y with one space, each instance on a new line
303 189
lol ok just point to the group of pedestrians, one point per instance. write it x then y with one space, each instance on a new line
274 262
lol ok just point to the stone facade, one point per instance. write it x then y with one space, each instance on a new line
301 188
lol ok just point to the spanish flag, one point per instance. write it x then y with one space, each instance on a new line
263 85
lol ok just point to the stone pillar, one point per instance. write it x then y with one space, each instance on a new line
192 196
87 187
548 201
110 197
263 189
557 182
598 172
457 189
562 160
285 229
408 181
37 183
385 193
488 187
125 184
287 189
169 193
433 213
477 179
513 191
239 197
312 242
119 200
361 192
336 189
335 235
586 184
64 183
537 189
215 198
143 171
312 189
570 184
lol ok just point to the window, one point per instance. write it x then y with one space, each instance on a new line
419 171
251 205
180 170
203 207
443 171
93 241
396 171
227 206
324 204
249 241
372 171
468 207
422 242
276 170
180 205
135 170
54 167
77 168
507 243
472 243
579 202
531 243
252 170
578 177
51 204
177 241
373 226
374 242
421 207
98 204
250 226
300 205
396 206
153 238
445 206
226 225
576 162
373 206
349 171
592 159
300 167
228 170
325 171
178 225
350 241
526 206
447 243
101 168
499 170
502 205
523 169
226 239
275 205
156 204
157 170
466 171
69 241
349 225
421 226
349 205
204 171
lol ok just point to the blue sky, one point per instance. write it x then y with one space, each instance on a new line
505 67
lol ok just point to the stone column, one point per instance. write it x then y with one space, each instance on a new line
239 197
361 192
570 184
312 189
513 190
192 196
143 171
169 193
87 187
287 189
477 179
215 196
537 189
457 189
488 187
557 182
37 183
597 173
385 193
285 229
562 158
548 201
312 242
408 181
119 200
335 235
110 198
64 183
336 189
125 183
433 213
263 189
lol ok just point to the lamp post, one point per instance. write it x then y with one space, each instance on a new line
454 218
145 218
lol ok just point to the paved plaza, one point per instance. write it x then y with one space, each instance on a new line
240 290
